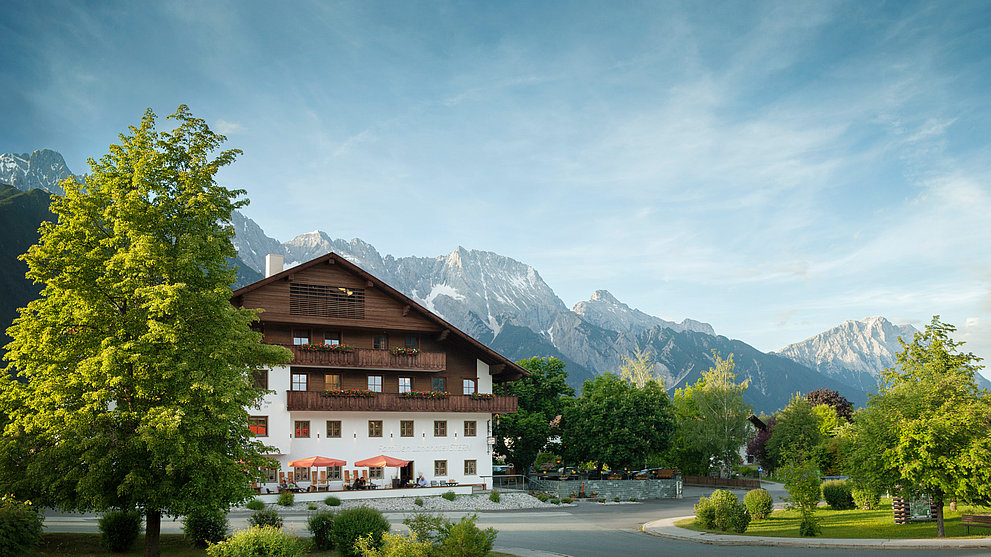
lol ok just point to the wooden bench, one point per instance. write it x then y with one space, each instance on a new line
969 520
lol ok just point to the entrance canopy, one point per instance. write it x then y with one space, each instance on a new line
315 461
381 461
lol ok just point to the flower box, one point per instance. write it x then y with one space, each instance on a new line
482 396
397 351
327 347
352 393
424 394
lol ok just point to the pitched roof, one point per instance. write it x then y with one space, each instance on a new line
499 364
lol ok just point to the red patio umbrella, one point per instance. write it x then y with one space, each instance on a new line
381 461
315 461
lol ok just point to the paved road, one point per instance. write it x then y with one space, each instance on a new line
591 530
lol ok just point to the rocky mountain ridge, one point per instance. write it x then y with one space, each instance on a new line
42 169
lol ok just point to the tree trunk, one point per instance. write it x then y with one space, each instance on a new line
153 531
940 527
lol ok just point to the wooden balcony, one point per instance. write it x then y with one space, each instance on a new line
366 358
392 402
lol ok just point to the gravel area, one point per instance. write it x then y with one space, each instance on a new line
507 501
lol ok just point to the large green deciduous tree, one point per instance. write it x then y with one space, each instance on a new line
797 432
541 397
928 429
617 424
712 419
136 367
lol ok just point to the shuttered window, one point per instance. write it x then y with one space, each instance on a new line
317 300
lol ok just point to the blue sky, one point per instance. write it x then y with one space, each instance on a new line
771 168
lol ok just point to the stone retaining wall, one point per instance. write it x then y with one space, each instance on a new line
610 489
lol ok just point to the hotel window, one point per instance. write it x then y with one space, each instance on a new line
375 428
406 428
376 472
333 428
259 379
440 467
299 381
302 474
375 383
332 338
438 384
440 428
470 428
332 381
333 472
380 342
300 336
258 425
302 428
470 468
412 341
469 386
405 384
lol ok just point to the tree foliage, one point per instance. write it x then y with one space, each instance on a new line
542 397
796 434
615 423
928 429
843 407
138 367
639 369
712 419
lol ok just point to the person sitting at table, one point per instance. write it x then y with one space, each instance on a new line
421 481
359 483
283 485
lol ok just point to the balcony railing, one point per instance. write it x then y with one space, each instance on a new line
392 402
366 358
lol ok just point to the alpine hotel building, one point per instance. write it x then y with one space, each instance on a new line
373 373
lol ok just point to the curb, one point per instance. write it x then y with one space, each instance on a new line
665 528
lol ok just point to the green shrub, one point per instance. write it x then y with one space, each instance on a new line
119 530
351 524
266 517
255 505
555 501
542 497
838 494
567 500
865 498
418 502
449 495
394 545
465 539
759 503
615 499
286 498
311 506
633 499
430 528
721 511
258 541
321 525
494 496
205 526
332 501
20 526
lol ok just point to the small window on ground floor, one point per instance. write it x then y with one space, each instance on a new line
333 428
470 467
406 428
375 428
271 475
440 428
333 472
302 474
376 472
440 467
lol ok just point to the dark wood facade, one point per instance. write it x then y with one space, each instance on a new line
392 402
328 301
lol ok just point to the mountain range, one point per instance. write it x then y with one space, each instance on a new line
505 304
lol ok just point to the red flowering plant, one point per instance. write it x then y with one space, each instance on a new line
326 347
353 393
401 351
424 394
482 396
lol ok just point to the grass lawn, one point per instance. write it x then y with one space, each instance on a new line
173 545
857 524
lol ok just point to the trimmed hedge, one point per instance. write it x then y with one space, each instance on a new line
722 511
838 494
351 524
759 503
205 526
266 517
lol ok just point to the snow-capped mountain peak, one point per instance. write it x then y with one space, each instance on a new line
604 310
